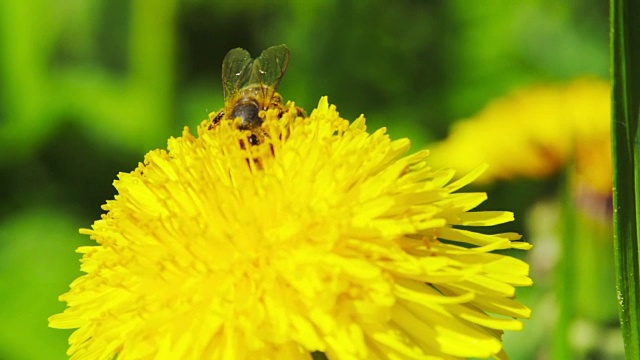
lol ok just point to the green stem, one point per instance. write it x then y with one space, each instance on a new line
565 276
317 355
625 60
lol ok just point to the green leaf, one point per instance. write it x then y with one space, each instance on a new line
625 59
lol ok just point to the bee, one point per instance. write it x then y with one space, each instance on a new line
250 87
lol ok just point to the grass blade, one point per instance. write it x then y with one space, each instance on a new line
625 59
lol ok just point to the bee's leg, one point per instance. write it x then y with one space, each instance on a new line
216 120
300 112
253 140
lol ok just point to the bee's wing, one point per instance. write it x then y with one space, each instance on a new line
269 68
236 71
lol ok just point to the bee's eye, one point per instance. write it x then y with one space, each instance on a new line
253 139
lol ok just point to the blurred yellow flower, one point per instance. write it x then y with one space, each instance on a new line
536 131
323 238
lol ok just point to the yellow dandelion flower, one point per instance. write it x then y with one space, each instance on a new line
535 132
324 237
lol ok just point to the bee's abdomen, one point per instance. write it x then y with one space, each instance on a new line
247 110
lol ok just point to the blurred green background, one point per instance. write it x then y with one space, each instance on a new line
88 87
